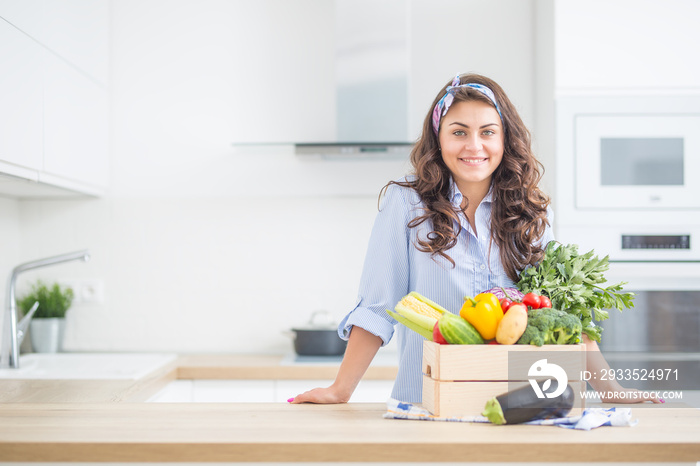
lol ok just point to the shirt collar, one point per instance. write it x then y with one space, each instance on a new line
457 197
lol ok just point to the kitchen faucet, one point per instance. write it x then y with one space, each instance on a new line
13 332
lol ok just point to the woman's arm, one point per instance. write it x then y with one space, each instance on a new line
384 280
610 391
361 349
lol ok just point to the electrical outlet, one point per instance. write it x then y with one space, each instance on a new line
91 291
85 290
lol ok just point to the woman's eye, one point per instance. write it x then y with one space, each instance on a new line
489 132
459 132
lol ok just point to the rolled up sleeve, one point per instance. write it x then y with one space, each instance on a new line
385 275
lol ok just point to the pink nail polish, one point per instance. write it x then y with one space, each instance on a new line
290 400
662 400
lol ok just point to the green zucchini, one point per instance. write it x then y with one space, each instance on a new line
458 331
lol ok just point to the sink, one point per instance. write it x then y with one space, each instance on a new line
87 366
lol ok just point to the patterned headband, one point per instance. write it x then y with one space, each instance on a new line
443 105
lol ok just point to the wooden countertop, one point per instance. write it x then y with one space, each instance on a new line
103 421
279 432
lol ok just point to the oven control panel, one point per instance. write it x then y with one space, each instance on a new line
655 241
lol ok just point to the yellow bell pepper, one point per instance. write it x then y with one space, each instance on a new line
484 313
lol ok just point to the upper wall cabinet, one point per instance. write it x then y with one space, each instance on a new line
21 103
627 45
54 100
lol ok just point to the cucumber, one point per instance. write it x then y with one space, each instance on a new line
522 405
458 331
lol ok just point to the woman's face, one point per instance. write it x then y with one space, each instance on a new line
471 142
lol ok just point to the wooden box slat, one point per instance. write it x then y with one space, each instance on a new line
486 362
458 380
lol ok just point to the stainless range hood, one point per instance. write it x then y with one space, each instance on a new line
371 81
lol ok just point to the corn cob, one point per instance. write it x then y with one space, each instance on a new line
417 313
417 306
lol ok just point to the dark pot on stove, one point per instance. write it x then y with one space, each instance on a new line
319 337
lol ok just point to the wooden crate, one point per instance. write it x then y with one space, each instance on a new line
458 380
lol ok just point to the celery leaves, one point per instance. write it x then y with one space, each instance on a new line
575 283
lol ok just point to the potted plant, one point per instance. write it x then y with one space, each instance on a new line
47 326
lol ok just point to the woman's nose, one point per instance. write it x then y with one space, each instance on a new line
473 143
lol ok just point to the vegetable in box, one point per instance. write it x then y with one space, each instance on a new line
575 284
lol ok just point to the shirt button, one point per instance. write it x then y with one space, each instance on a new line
483 267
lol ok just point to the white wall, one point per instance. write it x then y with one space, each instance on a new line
205 274
205 247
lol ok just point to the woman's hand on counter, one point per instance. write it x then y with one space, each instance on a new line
361 349
327 395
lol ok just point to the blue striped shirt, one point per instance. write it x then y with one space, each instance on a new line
393 267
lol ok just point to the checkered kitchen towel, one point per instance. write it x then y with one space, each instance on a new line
589 419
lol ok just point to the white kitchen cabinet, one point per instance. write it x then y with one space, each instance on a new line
233 391
177 391
25 15
216 391
626 45
76 30
54 100
261 391
21 103
287 76
76 129
372 391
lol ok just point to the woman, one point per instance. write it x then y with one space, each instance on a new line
470 218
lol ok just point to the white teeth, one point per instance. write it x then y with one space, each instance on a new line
473 160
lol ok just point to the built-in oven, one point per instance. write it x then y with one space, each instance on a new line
655 346
659 338
628 187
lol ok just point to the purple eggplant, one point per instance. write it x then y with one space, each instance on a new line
523 405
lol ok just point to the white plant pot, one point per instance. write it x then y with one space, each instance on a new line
47 334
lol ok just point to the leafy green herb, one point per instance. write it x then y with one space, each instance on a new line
54 301
574 283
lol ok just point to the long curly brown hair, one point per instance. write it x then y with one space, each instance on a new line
519 207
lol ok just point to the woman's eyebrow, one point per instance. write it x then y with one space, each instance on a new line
467 126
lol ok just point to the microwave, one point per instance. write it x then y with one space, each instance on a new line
647 161
628 175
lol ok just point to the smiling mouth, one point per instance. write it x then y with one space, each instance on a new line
473 161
